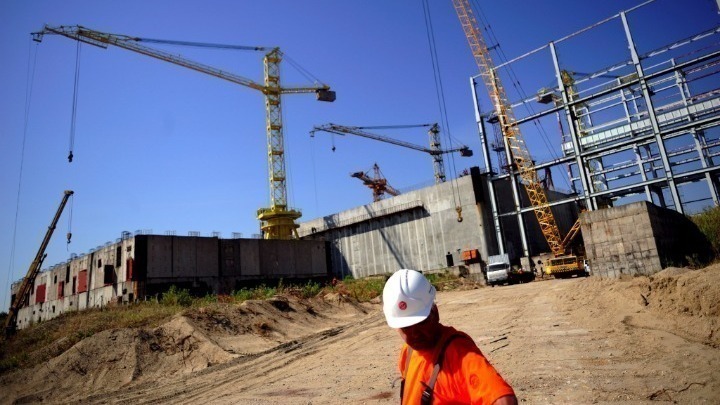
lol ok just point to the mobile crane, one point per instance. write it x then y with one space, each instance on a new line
24 290
434 150
378 183
564 262
277 221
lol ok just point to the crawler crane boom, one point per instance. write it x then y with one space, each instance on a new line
277 221
26 285
511 132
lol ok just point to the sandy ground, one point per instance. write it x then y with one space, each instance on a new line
639 340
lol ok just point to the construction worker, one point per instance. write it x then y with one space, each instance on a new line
438 364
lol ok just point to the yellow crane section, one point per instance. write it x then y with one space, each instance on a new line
277 221
508 124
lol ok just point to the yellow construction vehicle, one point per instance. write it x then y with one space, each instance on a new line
24 290
277 221
564 262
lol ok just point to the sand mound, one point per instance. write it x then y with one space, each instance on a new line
681 301
258 325
684 292
111 360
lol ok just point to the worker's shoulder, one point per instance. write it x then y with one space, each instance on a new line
458 344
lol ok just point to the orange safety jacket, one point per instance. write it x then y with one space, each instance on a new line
454 372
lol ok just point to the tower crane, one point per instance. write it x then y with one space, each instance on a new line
434 150
378 183
277 221
26 285
516 143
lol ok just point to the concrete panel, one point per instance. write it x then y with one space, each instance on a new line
303 257
250 257
230 261
184 262
275 261
318 257
310 258
639 238
208 264
159 258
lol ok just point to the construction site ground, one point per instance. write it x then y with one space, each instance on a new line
581 340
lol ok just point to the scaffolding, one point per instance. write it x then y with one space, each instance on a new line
644 128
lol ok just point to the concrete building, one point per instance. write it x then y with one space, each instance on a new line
420 229
640 238
141 266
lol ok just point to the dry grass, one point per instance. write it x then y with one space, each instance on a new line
43 341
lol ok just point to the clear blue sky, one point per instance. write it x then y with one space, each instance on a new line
160 147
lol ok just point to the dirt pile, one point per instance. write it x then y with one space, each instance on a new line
678 300
580 340
114 359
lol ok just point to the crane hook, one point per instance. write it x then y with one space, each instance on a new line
459 213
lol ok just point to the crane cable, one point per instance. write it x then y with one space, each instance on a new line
74 102
515 81
441 104
32 61
69 231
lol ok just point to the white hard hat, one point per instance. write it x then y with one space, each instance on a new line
408 298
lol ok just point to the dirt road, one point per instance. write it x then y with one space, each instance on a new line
556 341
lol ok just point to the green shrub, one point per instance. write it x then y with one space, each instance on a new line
176 297
364 289
708 222
310 290
260 292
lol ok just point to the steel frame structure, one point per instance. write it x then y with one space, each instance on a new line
655 141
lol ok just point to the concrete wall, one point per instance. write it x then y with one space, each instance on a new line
639 238
205 264
419 229
63 283
414 230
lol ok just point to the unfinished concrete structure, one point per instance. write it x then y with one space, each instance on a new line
139 266
640 238
420 229
651 132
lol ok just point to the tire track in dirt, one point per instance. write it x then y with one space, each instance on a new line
237 379
556 342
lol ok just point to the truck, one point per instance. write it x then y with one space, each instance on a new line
497 270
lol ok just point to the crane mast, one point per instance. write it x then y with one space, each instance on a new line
520 154
34 269
277 221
